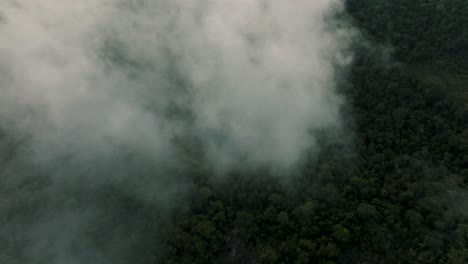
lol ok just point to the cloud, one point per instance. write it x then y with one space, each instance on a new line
102 94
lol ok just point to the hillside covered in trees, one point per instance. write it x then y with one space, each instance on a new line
389 186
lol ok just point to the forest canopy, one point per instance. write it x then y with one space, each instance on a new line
366 163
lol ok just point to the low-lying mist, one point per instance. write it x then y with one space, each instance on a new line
101 99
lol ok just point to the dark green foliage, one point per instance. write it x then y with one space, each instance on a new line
394 206
397 196
417 29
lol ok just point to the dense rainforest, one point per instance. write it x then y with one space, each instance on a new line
390 187
397 194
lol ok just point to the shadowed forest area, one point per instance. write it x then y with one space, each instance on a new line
389 186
